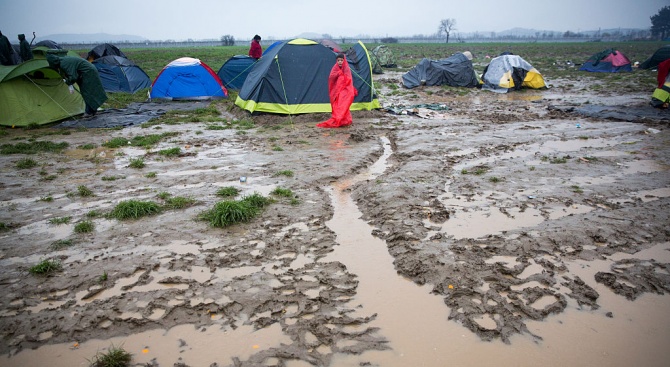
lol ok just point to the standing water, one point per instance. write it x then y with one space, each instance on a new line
415 322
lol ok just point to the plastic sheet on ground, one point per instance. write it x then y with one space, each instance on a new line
426 111
134 114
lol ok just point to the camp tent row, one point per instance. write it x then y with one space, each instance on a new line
503 74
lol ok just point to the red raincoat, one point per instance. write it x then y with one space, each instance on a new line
255 51
342 92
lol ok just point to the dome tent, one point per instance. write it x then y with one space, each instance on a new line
119 74
187 78
103 50
455 71
511 72
292 78
607 61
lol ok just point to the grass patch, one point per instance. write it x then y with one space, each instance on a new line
133 209
178 202
287 193
87 146
576 189
136 163
94 214
46 267
26 163
33 147
229 212
170 152
112 178
115 357
103 277
60 220
61 244
47 198
138 141
84 191
559 160
287 173
86 226
277 148
150 175
228 192
494 179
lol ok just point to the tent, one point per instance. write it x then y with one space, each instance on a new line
292 78
102 50
48 44
187 78
235 70
658 57
331 45
33 93
385 56
456 71
661 96
511 72
119 74
607 61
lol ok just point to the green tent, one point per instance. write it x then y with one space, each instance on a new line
33 93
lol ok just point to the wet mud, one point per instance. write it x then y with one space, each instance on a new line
490 227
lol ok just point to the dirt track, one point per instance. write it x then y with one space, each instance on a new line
510 209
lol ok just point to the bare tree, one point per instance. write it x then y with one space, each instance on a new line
446 27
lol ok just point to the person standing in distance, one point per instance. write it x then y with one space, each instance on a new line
256 51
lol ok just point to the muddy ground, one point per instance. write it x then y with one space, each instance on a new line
488 204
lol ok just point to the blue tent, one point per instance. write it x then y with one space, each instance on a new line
187 78
607 61
234 72
119 74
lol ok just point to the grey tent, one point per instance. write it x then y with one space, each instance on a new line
102 50
455 71
119 74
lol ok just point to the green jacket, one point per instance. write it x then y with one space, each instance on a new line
24 48
82 72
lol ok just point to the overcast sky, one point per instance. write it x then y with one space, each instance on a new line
211 19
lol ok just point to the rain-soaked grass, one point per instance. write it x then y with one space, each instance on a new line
279 191
134 209
26 163
228 192
229 212
61 244
86 226
136 163
33 147
179 202
287 173
84 191
46 267
114 357
60 220
87 146
170 152
138 141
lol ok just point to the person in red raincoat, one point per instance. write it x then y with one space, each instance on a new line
342 92
255 50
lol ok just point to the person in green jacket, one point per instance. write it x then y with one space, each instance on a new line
82 72
6 51
24 48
